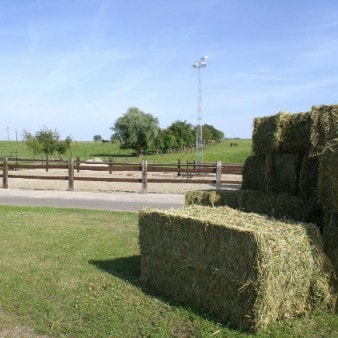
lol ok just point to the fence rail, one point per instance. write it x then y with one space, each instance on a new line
194 173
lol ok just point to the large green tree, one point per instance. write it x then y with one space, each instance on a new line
136 130
184 133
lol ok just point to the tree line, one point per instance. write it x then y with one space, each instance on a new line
141 132
134 130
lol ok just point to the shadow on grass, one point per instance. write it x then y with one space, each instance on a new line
129 270
126 268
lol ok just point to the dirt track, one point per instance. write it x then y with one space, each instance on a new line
167 188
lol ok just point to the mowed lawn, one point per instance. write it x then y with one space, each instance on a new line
75 273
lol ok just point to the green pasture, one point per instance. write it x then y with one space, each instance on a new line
85 150
75 273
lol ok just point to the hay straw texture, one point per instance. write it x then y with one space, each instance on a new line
295 208
257 201
329 219
281 206
324 127
295 133
254 173
330 240
282 173
308 178
213 198
328 177
244 269
267 134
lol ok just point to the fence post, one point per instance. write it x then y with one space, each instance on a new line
71 175
144 176
5 173
46 163
218 175
179 167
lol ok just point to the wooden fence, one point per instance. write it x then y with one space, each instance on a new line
187 173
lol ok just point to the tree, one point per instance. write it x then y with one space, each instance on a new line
184 133
46 141
97 138
136 130
211 134
169 140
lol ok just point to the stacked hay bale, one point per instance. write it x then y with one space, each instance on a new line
328 198
300 153
245 269
294 172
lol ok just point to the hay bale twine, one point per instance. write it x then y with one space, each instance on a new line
328 177
253 173
245 269
324 127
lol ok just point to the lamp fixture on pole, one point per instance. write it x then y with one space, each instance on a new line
202 63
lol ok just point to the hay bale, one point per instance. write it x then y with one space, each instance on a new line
198 197
329 219
253 173
244 269
267 134
328 177
330 240
295 208
296 131
282 172
308 178
324 127
257 201
213 198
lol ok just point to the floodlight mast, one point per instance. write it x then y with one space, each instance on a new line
202 63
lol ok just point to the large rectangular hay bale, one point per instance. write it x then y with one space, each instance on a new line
245 269
324 127
282 173
267 134
328 177
295 133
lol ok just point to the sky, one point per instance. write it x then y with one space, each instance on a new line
77 66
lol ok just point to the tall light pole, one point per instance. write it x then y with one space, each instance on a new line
202 63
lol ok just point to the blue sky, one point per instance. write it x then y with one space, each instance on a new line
76 66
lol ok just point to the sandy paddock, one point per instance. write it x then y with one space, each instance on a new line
177 188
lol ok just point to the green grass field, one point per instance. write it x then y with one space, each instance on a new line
85 150
75 273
